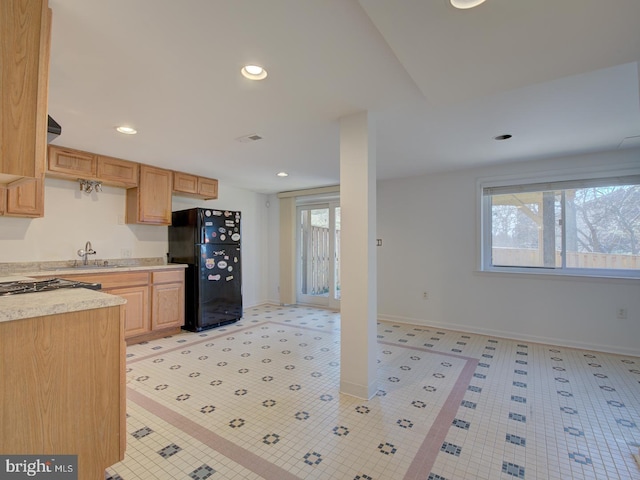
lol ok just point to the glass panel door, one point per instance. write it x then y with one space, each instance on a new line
318 257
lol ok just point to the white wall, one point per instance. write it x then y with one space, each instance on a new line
429 229
72 217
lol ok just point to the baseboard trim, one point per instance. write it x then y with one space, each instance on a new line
513 335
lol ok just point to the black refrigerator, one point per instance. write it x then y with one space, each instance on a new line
208 241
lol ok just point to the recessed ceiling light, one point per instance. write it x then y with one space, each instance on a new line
465 4
254 72
127 130
282 174
503 137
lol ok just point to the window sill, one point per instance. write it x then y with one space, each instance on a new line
547 275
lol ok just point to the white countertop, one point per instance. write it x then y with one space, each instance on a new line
60 272
28 305
64 300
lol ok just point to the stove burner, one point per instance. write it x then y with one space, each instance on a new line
42 285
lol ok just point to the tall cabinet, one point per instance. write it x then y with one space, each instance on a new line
24 77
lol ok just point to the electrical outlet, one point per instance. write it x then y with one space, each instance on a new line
621 314
120 220
125 253
425 295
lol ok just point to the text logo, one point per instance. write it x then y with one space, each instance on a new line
49 467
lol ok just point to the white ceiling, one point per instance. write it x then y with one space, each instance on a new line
560 76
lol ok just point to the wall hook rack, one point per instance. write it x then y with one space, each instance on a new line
89 186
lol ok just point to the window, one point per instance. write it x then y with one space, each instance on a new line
583 227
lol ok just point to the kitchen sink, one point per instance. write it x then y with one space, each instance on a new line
84 267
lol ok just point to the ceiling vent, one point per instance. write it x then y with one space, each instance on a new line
249 138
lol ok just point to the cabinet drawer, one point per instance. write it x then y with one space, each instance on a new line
112 280
170 276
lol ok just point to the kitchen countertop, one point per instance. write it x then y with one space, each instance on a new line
16 307
56 272
66 267
64 300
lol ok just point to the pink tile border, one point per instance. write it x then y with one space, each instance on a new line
241 456
419 469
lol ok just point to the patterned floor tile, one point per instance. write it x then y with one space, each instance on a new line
260 399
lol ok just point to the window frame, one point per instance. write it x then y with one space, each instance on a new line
584 179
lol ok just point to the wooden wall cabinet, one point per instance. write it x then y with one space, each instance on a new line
208 188
115 171
73 164
25 197
24 78
62 388
150 202
70 163
194 186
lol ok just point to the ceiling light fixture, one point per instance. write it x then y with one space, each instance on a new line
506 136
126 130
253 72
282 174
466 4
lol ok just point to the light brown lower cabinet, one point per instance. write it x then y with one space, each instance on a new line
62 388
136 317
155 300
167 301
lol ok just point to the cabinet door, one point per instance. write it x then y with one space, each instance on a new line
208 188
136 316
117 171
185 183
24 63
25 198
167 305
73 163
3 199
150 202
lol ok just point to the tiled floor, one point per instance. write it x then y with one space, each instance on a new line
260 399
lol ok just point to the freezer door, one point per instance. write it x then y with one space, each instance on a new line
220 226
220 285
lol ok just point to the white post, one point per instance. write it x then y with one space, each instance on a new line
358 303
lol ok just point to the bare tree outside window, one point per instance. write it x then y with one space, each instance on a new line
595 227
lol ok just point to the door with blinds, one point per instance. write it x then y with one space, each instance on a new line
318 245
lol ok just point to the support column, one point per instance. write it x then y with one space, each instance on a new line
358 303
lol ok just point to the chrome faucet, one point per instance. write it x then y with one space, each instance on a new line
85 252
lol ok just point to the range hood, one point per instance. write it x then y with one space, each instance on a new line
53 129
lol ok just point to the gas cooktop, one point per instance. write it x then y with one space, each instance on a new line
42 285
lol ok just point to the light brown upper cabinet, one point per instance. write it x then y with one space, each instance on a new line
73 164
70 163
150 202
25 197
24 67
194 186
115 171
